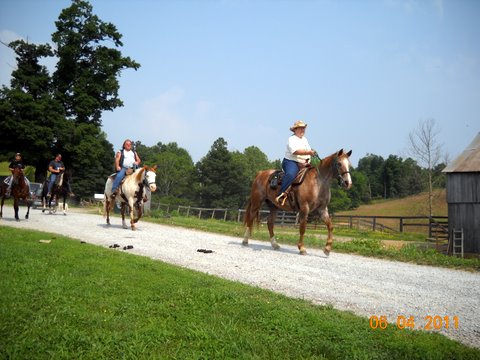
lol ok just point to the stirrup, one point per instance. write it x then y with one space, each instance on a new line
282 198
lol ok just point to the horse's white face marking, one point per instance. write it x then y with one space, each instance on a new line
151 176
344 172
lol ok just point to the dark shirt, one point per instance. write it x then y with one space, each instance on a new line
16 164
56 164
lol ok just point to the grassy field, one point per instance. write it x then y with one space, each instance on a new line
68 300
416 205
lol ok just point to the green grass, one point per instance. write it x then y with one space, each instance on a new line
365 243
67 300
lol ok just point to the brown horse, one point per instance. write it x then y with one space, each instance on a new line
313 194
20 190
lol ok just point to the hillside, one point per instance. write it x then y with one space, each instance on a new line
416 205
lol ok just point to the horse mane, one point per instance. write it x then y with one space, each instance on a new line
139 174
327 161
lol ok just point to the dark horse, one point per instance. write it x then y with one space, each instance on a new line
313 194
20 190
60 190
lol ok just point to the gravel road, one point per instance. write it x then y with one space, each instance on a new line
365 286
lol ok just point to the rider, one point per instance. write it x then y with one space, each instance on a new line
16 163
297 155
56 167
125 158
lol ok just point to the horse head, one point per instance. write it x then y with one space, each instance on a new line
150 175
342 167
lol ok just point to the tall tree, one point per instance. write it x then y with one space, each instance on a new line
87 70
86 84
424 147
29 114
222 183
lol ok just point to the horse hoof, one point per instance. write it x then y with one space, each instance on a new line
276 247
303 252
245 243
326 252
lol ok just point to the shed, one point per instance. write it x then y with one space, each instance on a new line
463 196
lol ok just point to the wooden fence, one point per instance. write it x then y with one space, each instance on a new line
419 224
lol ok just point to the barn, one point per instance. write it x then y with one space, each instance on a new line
463 198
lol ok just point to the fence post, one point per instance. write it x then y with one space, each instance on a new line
188 210
374 223
213 214
225 216
401 224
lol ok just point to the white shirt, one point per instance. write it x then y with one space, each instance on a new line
128 158
295 143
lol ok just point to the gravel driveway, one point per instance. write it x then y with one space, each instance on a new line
365 286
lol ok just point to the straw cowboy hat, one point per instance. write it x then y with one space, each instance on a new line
298 124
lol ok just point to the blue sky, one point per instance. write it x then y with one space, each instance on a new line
362 74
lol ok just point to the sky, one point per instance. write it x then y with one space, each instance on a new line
361 73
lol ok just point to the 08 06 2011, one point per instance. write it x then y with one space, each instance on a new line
428 322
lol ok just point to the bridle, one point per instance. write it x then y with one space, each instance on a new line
340 175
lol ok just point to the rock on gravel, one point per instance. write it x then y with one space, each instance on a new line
365 286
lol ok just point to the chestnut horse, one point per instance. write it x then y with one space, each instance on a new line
131 194
20 190
313 194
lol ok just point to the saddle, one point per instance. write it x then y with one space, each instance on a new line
276 178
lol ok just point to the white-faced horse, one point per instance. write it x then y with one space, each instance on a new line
131 194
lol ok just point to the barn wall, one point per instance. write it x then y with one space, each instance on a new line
463 188
466 216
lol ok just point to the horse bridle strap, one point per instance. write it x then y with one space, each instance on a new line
336 164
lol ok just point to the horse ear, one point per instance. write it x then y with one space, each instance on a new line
340 152
349 153
154 167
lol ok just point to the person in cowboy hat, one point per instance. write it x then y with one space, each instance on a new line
297 154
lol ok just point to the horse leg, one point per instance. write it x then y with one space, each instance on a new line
1 207
132 218
28 208
271 223
15 208
64 203
122 211
107 209
328 222
303 225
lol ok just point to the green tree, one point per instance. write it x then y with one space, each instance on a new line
87 70
175 173
29 114
359 193
222 183
85 83
371 166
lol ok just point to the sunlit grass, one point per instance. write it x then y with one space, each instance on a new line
68 300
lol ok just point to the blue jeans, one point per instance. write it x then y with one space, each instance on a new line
51 181
291 169
119 178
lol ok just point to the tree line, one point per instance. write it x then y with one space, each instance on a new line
223 178
44 113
